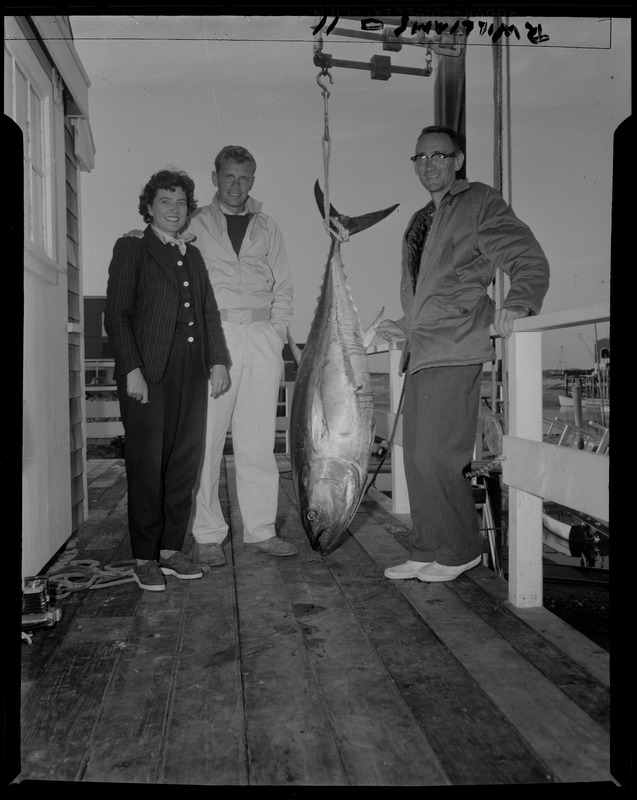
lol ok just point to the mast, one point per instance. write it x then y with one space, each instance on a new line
450 98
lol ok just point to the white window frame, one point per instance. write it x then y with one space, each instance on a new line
40 255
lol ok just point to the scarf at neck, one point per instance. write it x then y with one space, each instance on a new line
179 241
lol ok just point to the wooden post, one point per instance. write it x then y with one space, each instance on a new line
399 496
525 510
577 411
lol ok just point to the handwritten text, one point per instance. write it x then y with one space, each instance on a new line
461 28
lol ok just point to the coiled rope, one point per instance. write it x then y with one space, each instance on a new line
81 574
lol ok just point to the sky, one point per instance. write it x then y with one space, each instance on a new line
173 90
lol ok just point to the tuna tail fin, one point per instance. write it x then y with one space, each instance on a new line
352 224
296 350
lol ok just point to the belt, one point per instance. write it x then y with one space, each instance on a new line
244 316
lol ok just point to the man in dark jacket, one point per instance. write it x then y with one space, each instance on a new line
451 249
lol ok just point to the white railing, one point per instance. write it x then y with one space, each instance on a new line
103 420
385 423
533 470
102 406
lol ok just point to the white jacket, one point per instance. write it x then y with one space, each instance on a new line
260 276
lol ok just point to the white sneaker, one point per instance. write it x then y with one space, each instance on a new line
439 572
409 569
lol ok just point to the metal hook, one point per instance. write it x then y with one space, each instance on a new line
324 72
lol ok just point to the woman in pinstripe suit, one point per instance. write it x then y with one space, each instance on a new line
163 324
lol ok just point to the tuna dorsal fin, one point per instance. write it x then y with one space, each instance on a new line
296 351
353 224
368 335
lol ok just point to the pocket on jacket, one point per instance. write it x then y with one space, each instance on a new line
449 309
258 278
478 271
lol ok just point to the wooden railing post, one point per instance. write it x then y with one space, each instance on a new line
525 510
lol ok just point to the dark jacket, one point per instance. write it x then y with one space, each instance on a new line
448 315
142 301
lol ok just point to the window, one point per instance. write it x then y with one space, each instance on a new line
26 103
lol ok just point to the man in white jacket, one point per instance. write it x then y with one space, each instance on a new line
247 263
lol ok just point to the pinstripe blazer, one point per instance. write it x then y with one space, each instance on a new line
142 301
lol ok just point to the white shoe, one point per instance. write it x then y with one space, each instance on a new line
407 570
439 572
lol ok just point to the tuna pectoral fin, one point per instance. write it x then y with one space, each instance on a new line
369 334
296 352
352 224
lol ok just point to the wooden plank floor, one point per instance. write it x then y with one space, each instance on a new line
305 670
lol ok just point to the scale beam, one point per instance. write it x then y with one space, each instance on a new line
380 67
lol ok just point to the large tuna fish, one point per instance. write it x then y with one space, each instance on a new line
332 415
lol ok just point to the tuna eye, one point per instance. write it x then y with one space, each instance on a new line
311 514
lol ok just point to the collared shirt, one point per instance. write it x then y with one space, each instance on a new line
186 323
227 210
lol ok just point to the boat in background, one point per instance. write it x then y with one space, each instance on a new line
570 532
594 384
575 534
593 390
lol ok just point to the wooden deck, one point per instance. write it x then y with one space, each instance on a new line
306 670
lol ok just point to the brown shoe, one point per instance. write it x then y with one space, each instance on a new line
276 547
179 566
209 553
149 576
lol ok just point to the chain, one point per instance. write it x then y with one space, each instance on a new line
490 467
326 144
428 60
333 226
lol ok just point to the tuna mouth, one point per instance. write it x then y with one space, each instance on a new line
328 490
327 545
314 526
324 536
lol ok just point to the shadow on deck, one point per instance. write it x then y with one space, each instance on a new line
305 670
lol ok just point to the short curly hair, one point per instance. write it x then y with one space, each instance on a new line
166 179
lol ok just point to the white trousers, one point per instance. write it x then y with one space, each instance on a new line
250 405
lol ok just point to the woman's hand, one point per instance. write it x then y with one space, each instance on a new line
136 386
218 380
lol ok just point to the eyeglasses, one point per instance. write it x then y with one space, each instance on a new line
437 158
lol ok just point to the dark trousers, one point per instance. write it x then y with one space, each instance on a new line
162 449
440 415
